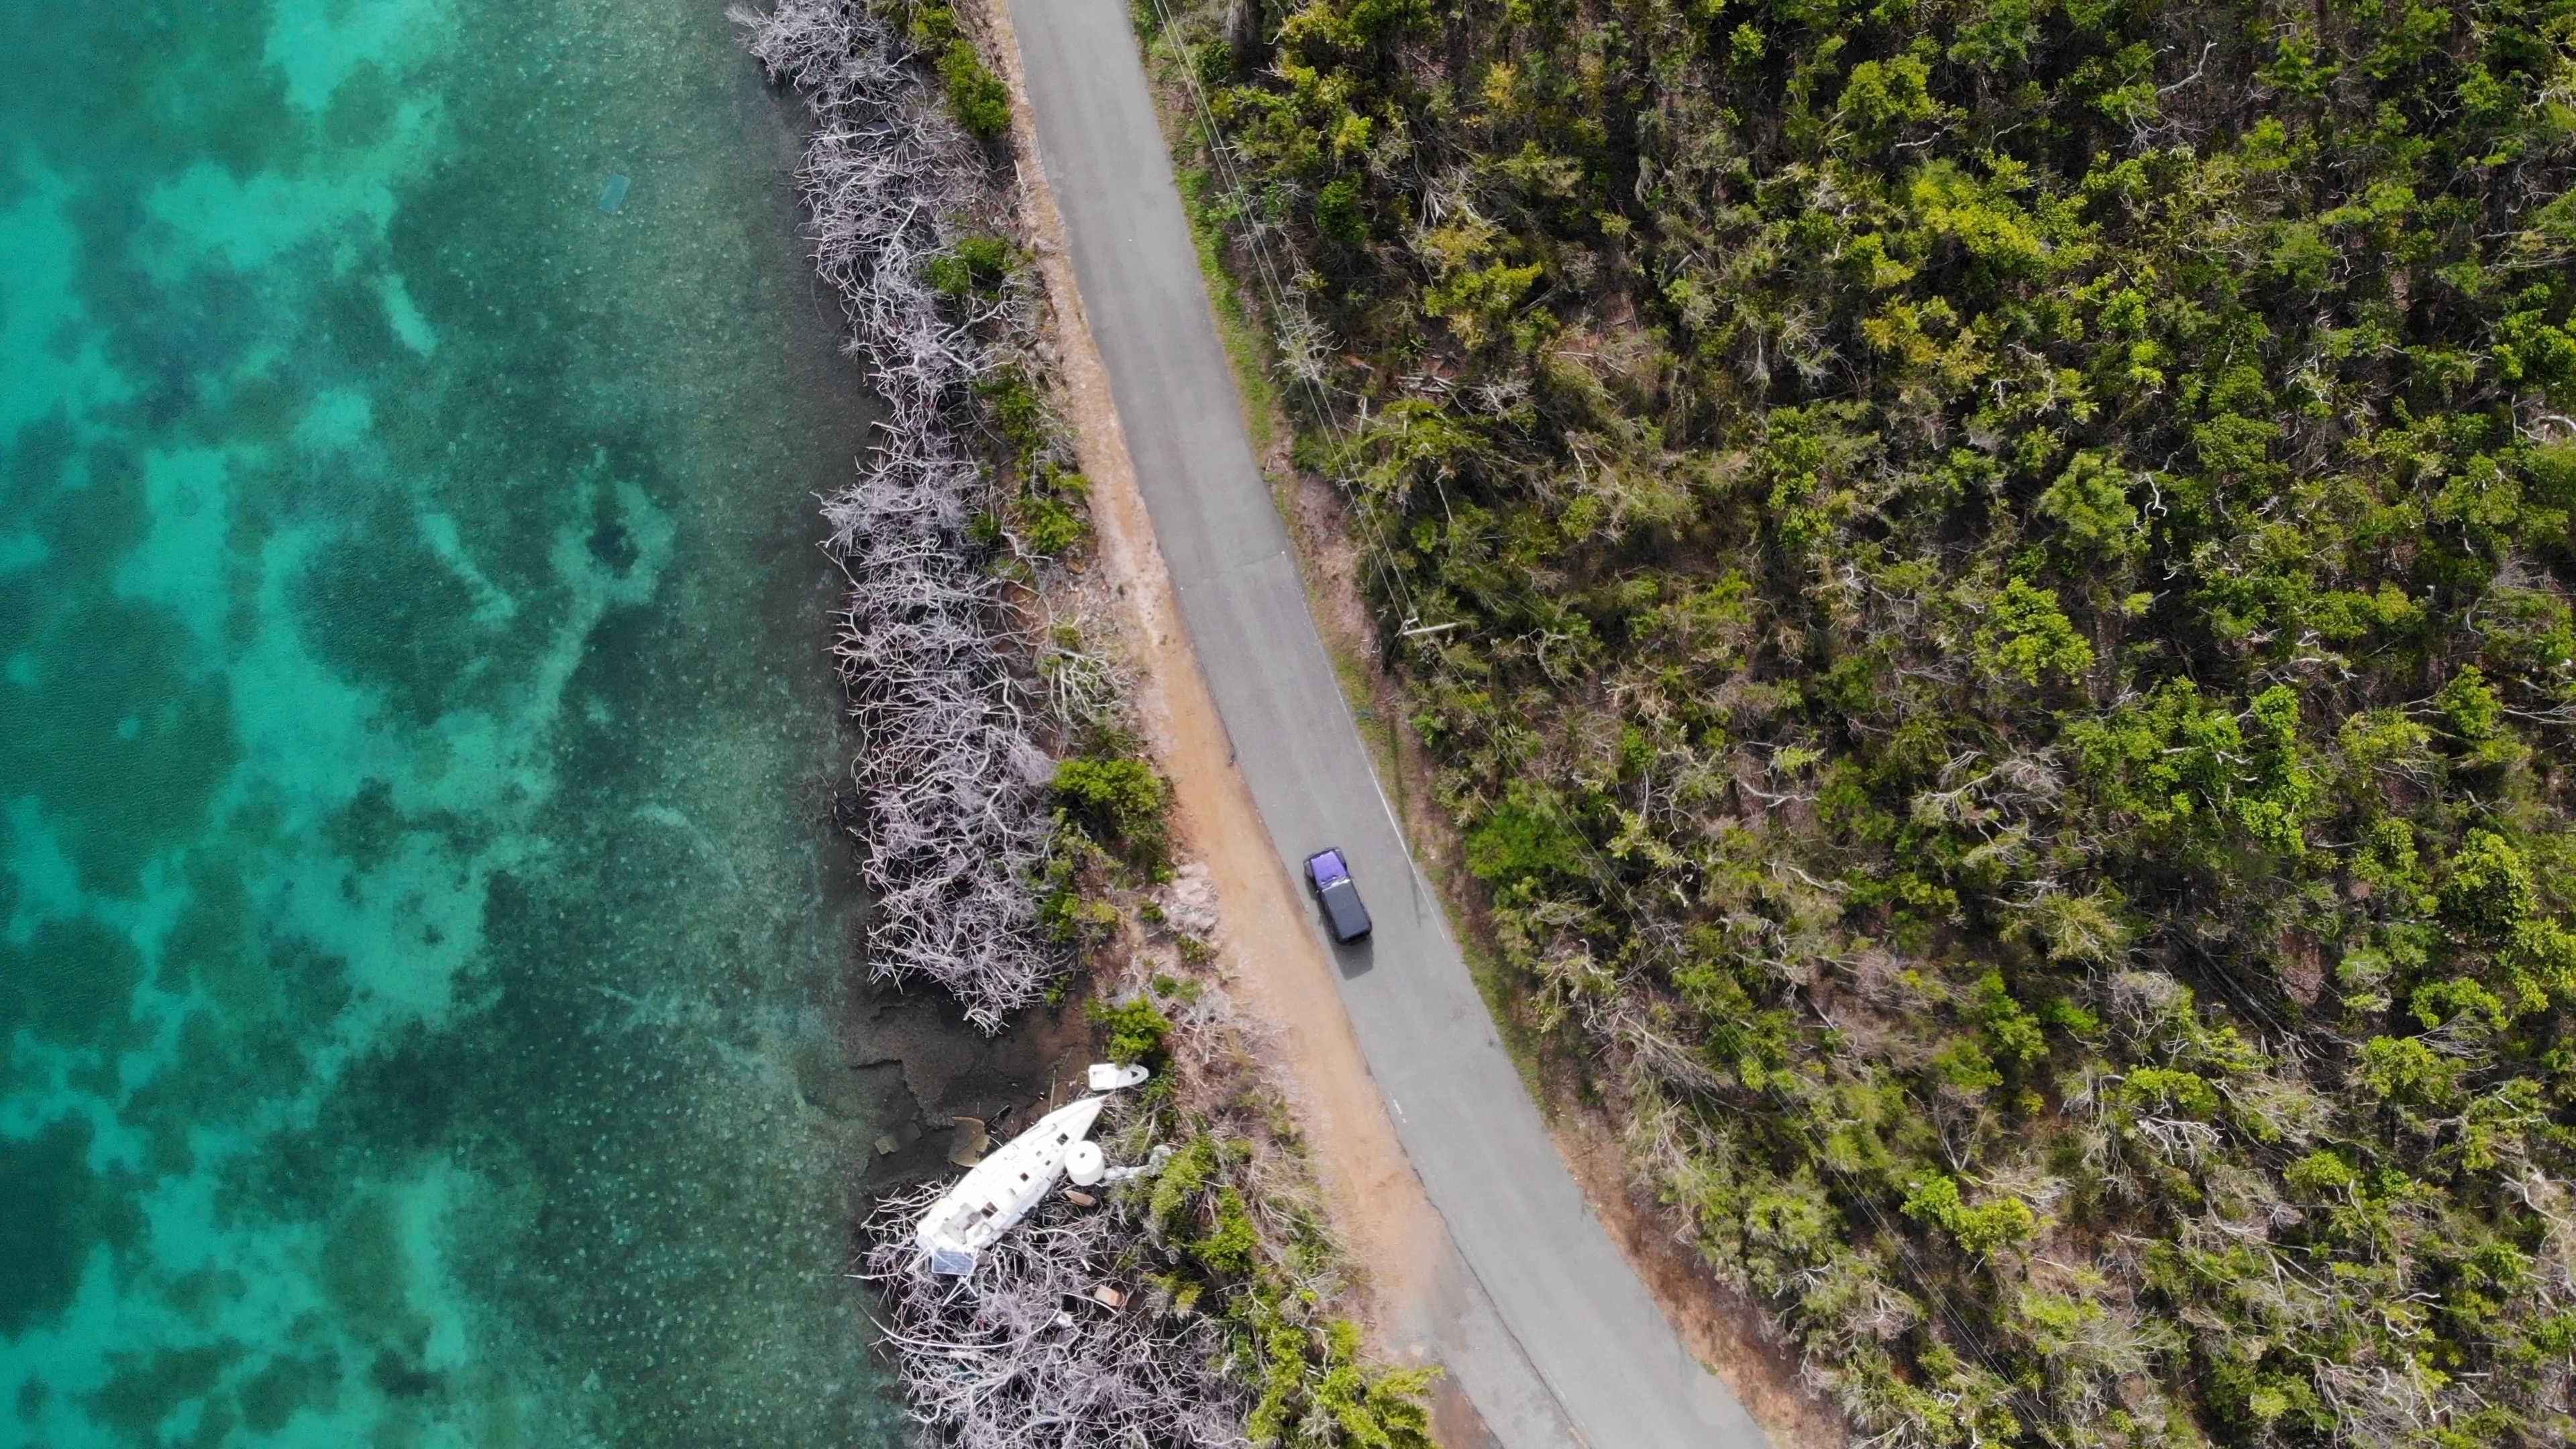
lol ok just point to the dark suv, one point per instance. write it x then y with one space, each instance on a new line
1332 882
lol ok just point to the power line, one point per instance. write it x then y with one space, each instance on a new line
1277 296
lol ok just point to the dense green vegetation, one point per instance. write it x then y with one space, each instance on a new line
1233 1229
2011 673
976 97
1313 1385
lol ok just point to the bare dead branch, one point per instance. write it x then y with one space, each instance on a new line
951 779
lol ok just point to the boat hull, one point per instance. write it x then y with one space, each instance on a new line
997 1192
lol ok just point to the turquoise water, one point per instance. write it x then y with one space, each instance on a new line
421 946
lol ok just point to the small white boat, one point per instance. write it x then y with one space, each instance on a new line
998 1191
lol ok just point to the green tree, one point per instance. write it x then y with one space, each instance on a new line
1122 797
2031 638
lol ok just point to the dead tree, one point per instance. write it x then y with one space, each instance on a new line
951 779
1025 1353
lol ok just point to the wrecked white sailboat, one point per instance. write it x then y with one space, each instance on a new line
998 1191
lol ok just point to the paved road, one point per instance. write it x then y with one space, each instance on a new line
1549 1326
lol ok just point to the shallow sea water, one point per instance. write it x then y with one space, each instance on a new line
420 941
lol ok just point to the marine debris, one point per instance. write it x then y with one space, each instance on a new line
1109 1076
997 1192
967 1139
1025 1351
950 775
1000 1189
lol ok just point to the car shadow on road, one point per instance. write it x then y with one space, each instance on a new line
1355 959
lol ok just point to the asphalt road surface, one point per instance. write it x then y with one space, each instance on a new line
1550 1326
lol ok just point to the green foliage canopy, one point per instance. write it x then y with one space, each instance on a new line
2012 661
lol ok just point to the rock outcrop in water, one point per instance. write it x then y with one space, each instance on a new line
950 774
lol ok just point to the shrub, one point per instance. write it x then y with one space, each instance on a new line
1980 1229
1122 797
1522 840
975 95
1137 1029
1049 526
977 265
2488 892
1050 522
2030 638
1018 412
1233 1245
1338 214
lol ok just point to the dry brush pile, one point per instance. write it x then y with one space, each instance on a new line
1022 1353
933 647
1227 1320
